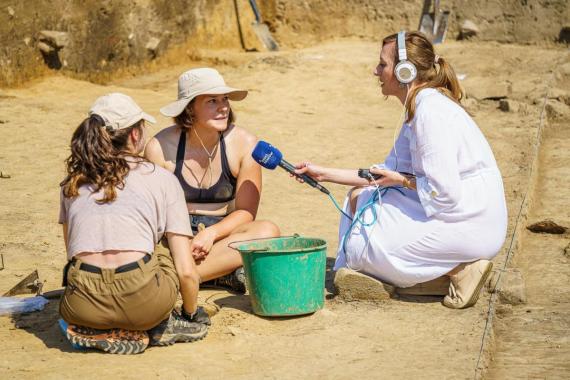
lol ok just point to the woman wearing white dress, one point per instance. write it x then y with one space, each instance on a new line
439 207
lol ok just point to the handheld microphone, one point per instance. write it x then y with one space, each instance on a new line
270 157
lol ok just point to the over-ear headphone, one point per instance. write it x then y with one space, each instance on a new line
405 70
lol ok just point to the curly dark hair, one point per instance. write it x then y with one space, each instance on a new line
99 158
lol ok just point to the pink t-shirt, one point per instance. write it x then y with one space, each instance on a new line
151 203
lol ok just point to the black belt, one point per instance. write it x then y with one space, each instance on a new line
122 269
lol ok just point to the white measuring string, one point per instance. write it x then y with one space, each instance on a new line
494 295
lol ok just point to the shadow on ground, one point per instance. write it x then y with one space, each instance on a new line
43 324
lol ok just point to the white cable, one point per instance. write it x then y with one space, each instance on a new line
400 125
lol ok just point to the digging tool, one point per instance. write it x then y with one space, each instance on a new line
434 24
426 20
29 285
262 30
240 32
53 294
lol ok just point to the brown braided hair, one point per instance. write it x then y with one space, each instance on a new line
99 158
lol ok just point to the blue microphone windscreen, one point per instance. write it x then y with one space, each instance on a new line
266 155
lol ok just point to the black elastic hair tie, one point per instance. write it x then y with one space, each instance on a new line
97 118
101 122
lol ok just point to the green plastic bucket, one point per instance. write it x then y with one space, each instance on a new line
286 275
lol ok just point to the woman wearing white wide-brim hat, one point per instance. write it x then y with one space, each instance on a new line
211 157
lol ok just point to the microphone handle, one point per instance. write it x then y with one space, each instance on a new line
309 180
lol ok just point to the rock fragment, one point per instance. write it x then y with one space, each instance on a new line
154 47
353 286
556 109
45 48
547 226
509 105
50 43
512 291
468 30
54 38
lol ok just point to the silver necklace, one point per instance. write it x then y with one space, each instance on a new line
210 155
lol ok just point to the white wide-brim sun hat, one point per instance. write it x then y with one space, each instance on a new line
202 81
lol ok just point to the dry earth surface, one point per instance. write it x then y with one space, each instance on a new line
319 103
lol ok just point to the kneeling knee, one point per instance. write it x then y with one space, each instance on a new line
269 229
353 195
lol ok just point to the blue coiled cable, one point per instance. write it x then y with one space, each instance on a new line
360 212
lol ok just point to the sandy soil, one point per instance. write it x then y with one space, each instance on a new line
319 103
533 338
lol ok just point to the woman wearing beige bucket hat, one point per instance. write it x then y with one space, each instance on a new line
117 287
211 157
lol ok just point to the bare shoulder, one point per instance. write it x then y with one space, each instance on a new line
239 145
239 137
161 149
167 134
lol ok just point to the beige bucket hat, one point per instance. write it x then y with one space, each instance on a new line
119 111
196 82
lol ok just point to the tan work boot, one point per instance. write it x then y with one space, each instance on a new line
436 287
351 286
467 283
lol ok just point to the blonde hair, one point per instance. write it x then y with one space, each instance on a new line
421 53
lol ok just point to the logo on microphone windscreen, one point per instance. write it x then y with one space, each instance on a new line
266 155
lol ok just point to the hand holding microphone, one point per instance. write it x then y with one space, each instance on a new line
306 168
270 157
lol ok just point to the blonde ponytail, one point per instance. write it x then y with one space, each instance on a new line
433 71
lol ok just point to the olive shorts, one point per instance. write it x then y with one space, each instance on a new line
137 299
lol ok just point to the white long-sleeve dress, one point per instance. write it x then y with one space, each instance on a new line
458 213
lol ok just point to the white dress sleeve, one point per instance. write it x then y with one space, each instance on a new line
438 180
389 162
399 158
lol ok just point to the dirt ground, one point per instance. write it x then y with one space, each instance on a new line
534 337
319 103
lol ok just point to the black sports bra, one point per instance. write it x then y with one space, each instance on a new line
222 191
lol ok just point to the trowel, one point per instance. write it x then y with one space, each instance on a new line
29 285
433 24
262 30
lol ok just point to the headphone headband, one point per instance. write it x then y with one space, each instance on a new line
402 55
405 70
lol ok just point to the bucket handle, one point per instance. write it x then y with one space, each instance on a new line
233 245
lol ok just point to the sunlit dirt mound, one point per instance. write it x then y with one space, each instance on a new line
96 40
